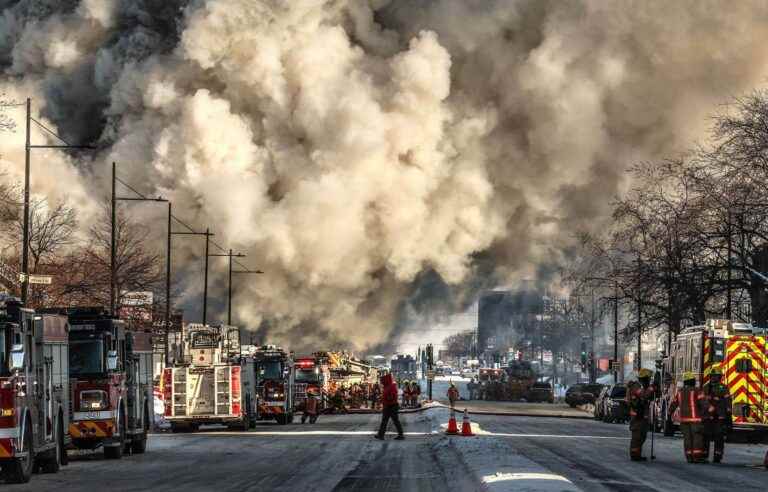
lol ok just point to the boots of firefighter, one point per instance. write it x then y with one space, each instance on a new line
639 429
697 442
452 427
466 426
718 436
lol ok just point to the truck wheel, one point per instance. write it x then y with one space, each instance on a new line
281 419
116 452
139 443
290 418
19 470
54 461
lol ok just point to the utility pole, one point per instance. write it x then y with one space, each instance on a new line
728 305
205 285
207 235
27 166
615 331
231 255
113 235
168 289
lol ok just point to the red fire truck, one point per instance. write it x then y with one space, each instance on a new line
312 372
739 351
34 395
110 370
211 383
274 384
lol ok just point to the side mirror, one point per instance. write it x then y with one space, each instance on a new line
112 360
17 357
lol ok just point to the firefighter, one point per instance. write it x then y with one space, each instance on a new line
416 393
453 394
718 420
640 397
310 407
406 393
390 408
375 396
471 386
691 402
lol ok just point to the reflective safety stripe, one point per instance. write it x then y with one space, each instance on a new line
6 448
92 429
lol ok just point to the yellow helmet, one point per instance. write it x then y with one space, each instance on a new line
688 376
645 373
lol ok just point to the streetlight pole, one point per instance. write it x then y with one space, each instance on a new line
615 331
113 235
231 255
27 157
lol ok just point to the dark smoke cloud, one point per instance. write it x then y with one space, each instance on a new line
382 161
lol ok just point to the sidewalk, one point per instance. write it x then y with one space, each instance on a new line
521 409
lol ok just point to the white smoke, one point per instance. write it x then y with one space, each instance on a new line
352 149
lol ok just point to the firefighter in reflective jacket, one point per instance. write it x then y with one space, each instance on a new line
640 397
692 404
717 417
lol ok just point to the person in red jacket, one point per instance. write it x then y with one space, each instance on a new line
390 407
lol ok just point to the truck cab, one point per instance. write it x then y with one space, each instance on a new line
311 373
110 371
34 393
274 384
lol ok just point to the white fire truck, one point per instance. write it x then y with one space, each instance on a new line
34 391
211 383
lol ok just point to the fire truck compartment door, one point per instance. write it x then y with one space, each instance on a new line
200 392
746 378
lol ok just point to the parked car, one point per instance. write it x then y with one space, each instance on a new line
541 392
581 394
611 405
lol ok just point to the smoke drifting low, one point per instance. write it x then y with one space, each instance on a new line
380 160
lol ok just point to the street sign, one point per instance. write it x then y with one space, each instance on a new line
430 374
36 279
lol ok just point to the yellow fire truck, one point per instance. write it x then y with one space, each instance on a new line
739 351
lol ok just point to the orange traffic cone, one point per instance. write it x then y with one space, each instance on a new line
452 427
466 427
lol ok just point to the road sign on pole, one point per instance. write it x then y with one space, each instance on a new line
36 279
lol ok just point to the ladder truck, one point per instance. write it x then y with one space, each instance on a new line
211 383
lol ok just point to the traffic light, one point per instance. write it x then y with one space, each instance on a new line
583 355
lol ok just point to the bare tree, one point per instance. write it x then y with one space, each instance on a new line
6 122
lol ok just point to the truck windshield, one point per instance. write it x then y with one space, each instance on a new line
270 369
307 376
86 356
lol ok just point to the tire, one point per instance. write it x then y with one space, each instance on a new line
290 418
282 419
116 452
140 446
19 470
53 463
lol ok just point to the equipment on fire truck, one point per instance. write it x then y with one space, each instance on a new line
274 384
34 391
110 373
736 349
212 382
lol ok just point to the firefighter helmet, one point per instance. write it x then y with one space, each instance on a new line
716 371
689 376
645 373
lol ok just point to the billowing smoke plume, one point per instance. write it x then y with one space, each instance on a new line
375 158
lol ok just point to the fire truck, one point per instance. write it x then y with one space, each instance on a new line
274 384
739 351
521 379
211 383
311 373
110 375
34 394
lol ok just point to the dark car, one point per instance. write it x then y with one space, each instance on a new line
582 394
611 405
541 392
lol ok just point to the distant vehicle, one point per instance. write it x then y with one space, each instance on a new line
582 394
468 373
275 375
611 405
541 392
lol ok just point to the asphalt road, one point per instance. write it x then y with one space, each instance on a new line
340 454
